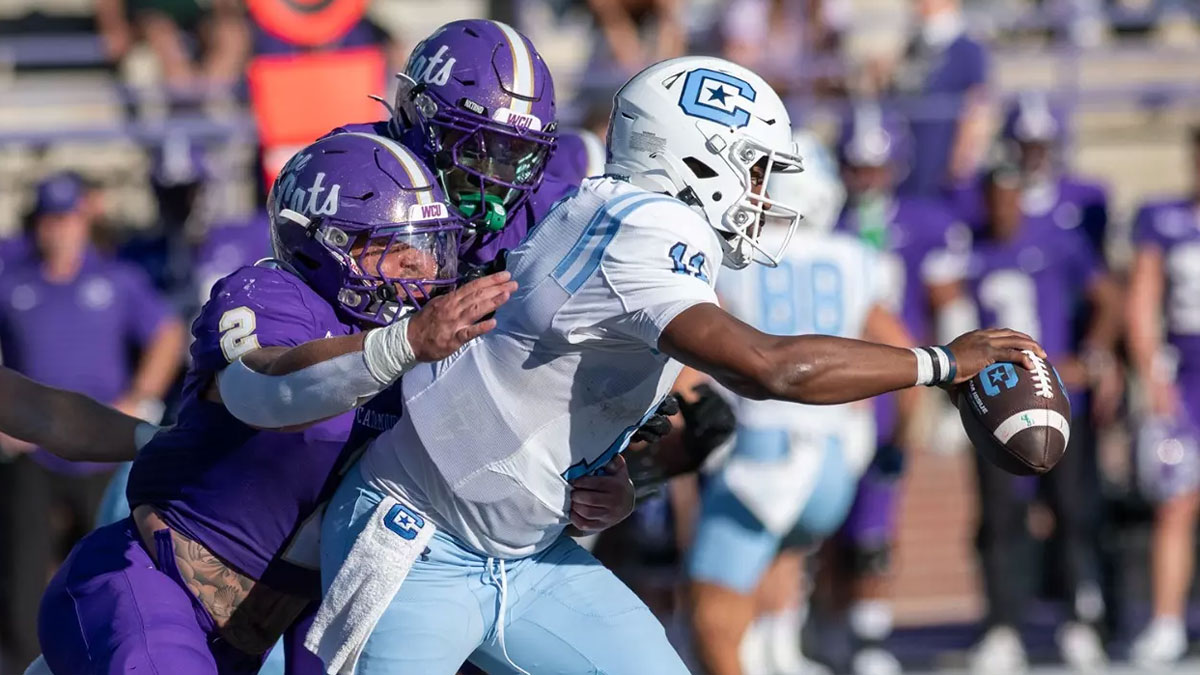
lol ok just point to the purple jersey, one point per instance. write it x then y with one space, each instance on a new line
246 494
77 335
559 181
934 83
229 246
1173 227
916 234
1032 282
579 154
14 250
1070 202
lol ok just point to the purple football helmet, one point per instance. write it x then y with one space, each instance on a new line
1166 458
1033 132
364 222
1032 118
477 102
872 136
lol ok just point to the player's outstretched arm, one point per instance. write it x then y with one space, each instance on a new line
67 424
817 369
288 388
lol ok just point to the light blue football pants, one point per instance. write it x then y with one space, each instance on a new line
558 611
732 548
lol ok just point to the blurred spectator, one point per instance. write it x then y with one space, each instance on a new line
943 80
68 318
1025 273
784 41
635 33
1164 347
195 41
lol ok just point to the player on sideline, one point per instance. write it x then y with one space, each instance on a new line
458 522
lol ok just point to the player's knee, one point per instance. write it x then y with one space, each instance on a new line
719 613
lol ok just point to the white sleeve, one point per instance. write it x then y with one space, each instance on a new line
663 260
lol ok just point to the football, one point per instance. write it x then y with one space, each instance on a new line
1018 419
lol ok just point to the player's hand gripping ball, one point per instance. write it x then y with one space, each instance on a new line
1018 419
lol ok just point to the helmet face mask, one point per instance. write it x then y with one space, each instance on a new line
712 134
756 212
479 102
372 234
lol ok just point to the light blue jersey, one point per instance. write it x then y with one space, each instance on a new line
496 432
494 435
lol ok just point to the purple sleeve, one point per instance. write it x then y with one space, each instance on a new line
144 309
254 306
1144 231
568 164
974 65
1088 264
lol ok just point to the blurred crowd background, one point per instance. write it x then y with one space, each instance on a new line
137 137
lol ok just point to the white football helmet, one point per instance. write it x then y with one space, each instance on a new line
694 127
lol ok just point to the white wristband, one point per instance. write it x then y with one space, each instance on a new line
387 352
935 365
924 366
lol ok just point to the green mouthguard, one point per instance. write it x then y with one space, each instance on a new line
494 213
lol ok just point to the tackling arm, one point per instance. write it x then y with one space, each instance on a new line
817 369
70 425
289 388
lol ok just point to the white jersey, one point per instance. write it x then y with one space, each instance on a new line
493 435
826 284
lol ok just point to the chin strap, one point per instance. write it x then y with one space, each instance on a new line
494 214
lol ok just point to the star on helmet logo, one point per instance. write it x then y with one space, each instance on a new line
717 94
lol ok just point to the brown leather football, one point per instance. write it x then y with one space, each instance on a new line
1020 420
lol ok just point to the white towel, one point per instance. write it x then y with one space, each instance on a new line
371 575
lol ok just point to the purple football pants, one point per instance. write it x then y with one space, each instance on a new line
110 610
871 522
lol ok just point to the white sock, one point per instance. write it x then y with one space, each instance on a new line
871 620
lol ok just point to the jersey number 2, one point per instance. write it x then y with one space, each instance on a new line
237 333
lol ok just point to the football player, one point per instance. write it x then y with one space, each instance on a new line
1033 135
790 479
1025 271
445 538
1166 270
594 507
915 237
211 568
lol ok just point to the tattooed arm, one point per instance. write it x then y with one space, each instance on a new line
250 615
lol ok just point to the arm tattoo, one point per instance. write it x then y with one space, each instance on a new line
249 615
220 589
